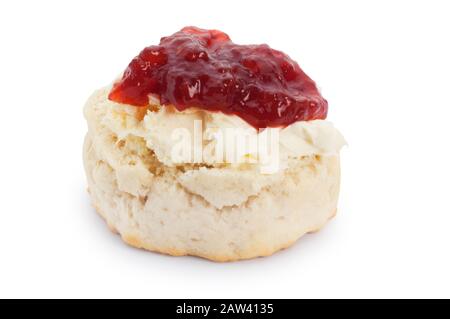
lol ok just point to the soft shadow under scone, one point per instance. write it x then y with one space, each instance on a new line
159 208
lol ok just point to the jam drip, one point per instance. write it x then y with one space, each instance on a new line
205 69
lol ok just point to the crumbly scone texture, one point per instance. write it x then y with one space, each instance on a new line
171 209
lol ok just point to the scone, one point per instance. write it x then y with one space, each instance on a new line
208 148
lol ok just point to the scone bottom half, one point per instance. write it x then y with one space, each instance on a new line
220 211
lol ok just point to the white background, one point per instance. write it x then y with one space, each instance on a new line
384 68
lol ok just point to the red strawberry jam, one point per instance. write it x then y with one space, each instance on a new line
205 69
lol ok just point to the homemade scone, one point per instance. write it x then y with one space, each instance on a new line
208 148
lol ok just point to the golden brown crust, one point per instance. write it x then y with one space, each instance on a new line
318 229
133 240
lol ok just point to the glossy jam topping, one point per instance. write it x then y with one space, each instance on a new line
204 69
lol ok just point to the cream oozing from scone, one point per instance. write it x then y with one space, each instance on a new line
303 138
221 185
